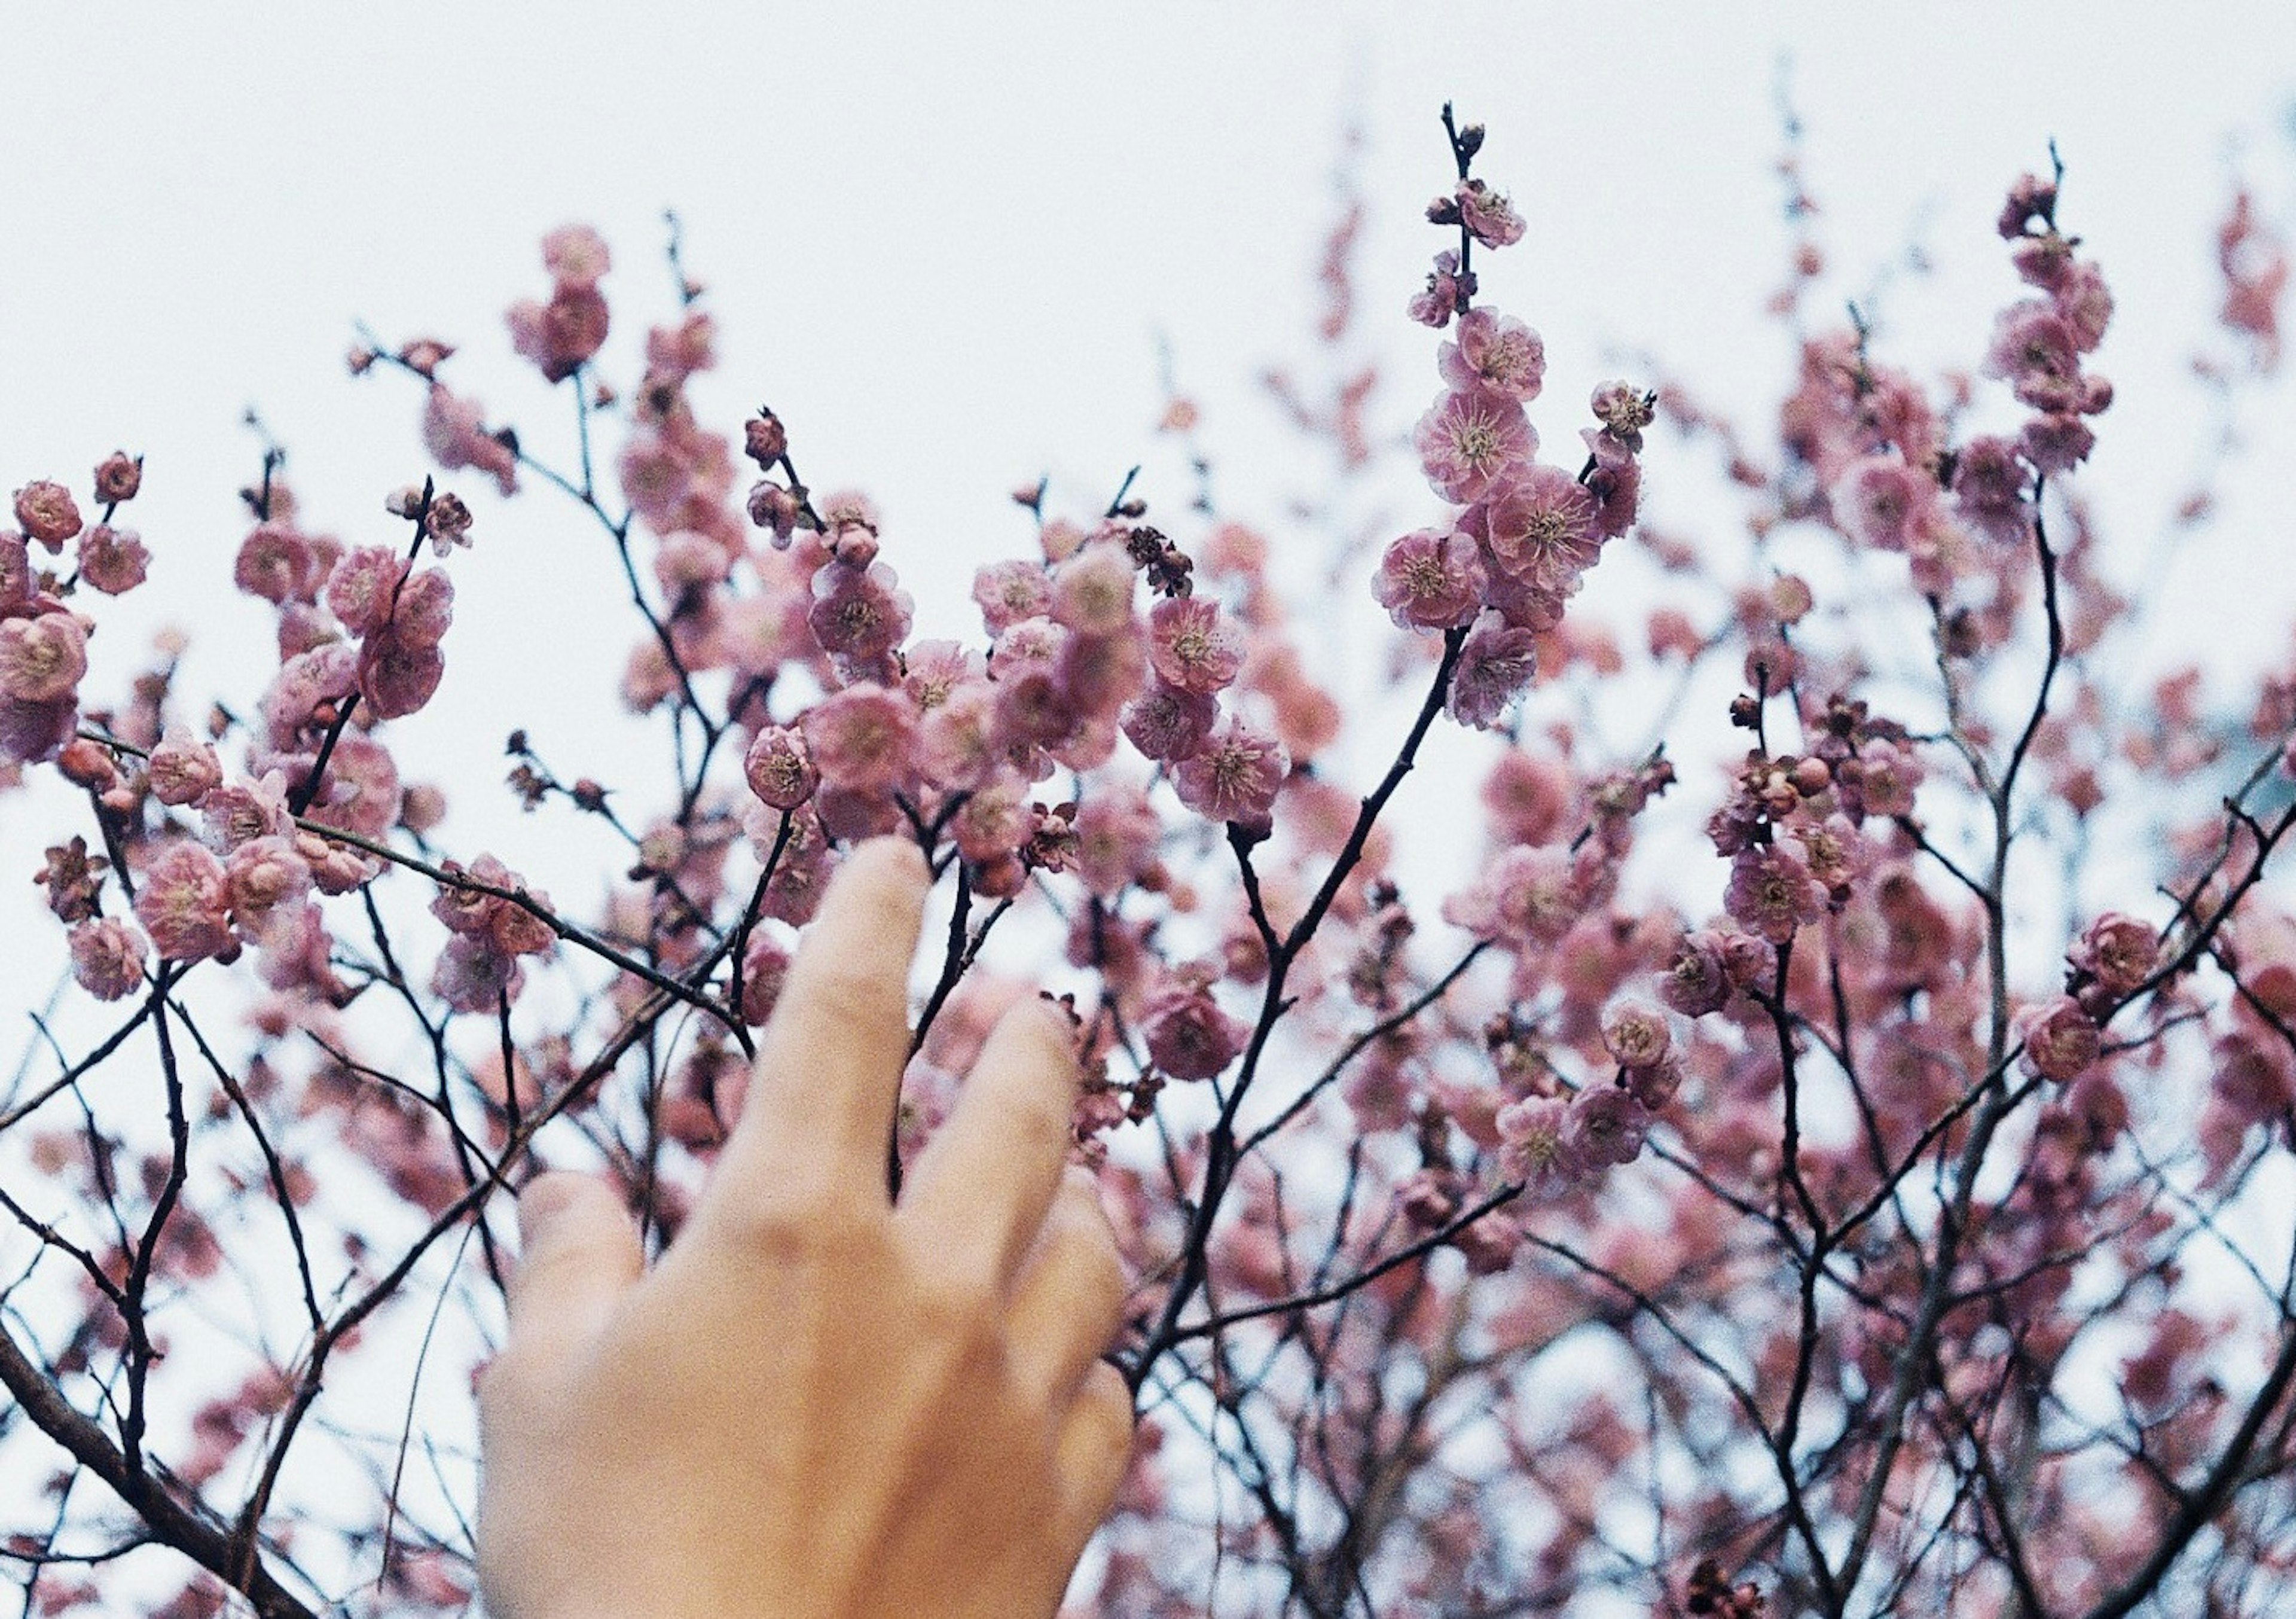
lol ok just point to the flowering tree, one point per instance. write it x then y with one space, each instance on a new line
1850 1180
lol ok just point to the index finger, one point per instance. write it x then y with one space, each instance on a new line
822 1099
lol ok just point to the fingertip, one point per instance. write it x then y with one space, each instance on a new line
545 1202
891 859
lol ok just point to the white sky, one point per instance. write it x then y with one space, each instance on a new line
946 243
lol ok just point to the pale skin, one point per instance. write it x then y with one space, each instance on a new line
820 1405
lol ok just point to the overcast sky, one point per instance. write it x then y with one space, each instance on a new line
950 243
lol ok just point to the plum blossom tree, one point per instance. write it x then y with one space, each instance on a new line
1831 1156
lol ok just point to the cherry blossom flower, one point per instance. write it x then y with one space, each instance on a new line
397 673
118 477
1534 1145
1490 218
1772 892
17 587
42 658
113 561
1434 305
780 767
1193 646
859 613
560 336
1605 1125
1496 664
1235 774
863 738
1636 1036
1188 1035
107 957
1539 525
184 903
181 769
2060 1040
575 256
2118 951
1524 897
1430 579
455 432
46 512
1494 351
1470 437
1008 592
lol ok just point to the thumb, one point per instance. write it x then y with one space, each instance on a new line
578 1253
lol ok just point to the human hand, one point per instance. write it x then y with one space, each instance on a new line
817 1403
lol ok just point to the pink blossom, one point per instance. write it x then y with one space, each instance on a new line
1880 781
424 607
16 583
859 613
2056 443
1431 579
1490 218
992 822
1773 893
1540 526
455 432
1193 646
764 969
46 512
264 876
247 811
397 674
1636 1035
2038 352
1188 1036
1988 485
1008 592
562 335
183 902
772 507
674 353
1469 439
2119 951
1887 504
275 563
1116 838
473 976
957 744
181 769
863 738
1615 480
1168 724
1604 1126
307 685
1092 591
1524 897
361 792
1497 351
575 256
118 476
112 560
2060 1040
1235 774
1495 666
42 658
107 957
361 585
1535 1149
1434 305
780 767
